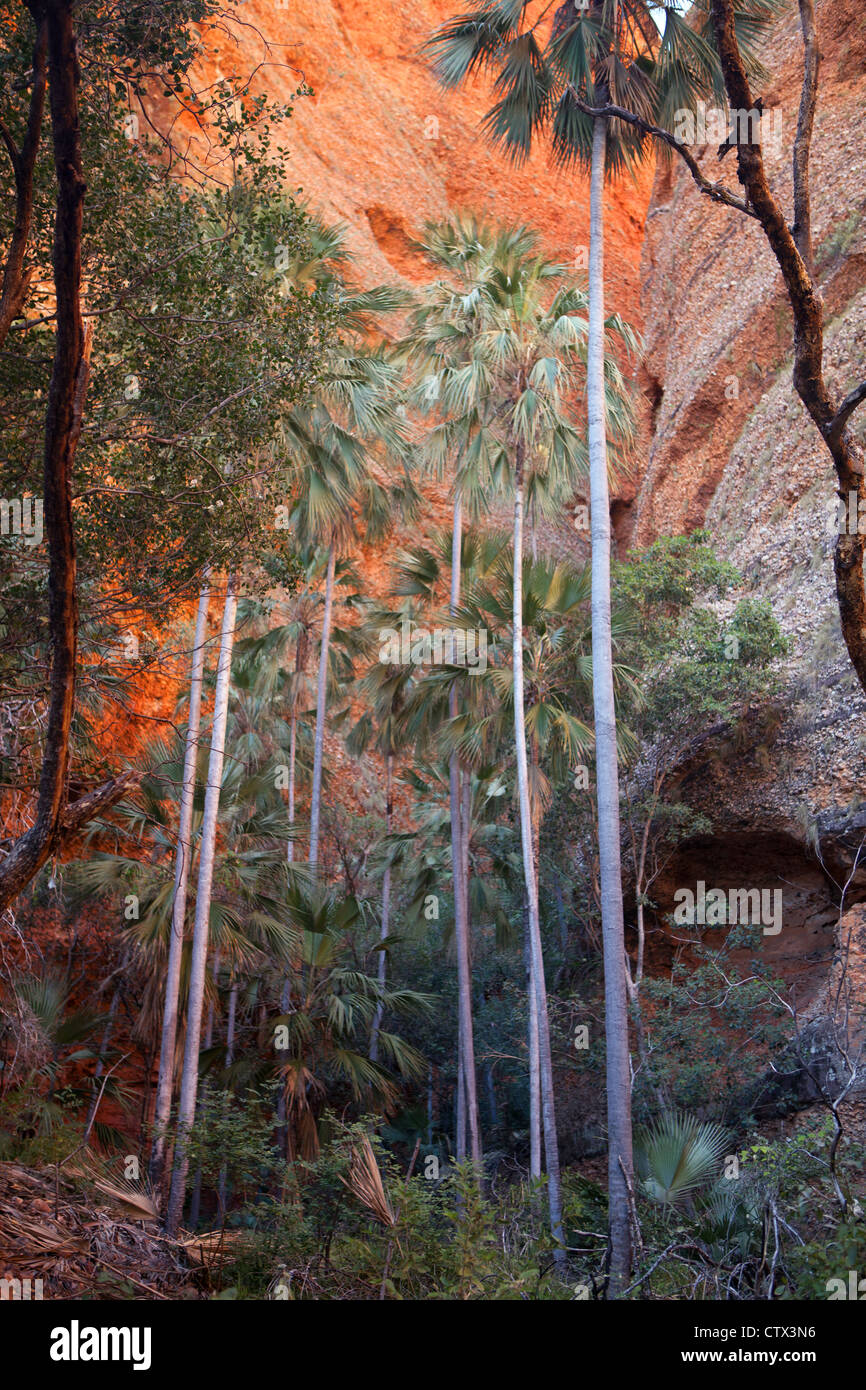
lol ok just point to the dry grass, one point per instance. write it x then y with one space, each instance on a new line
78 1243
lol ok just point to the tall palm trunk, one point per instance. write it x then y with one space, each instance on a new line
189 1079
548 1111
321 709
461 902
532 1044
168 1042
300 665
620 1165
231 1022
195 1199
381 972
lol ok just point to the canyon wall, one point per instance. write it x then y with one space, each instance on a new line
733 450
381 147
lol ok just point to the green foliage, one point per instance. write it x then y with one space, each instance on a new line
677 1154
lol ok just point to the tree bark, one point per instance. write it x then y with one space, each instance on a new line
63 421
548 1111
532 1046
17 279
321 710
198 966
607 773
168 1041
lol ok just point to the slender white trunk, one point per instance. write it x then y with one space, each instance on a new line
532 1044
460 1120
195 1199
321 710
461 901
548 1110
300 666
620 1165
168 1043
189 1079
230 1057
381 972
293 742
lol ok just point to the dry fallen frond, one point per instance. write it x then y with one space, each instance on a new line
365 1181
51 1229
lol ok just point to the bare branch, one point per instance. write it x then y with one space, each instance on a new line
846 410
717 191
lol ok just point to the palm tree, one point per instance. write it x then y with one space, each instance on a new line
165 1078
333 446
529 339
189 1078
267 656
384 688
453 382
643 55
318 1049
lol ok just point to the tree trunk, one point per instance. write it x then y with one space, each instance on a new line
17 279
300 666
100 1059
381 972
195 1199
321 710
461 902
607 775
548 1111
168 1043
189 1079
63 419
532 1046
231 1022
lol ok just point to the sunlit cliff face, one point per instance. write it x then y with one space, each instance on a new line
382 148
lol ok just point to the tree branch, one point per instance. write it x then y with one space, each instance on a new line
717 191
808 309
846 410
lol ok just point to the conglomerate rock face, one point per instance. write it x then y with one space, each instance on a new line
732 448
380 146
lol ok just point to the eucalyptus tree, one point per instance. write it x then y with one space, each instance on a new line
160 423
